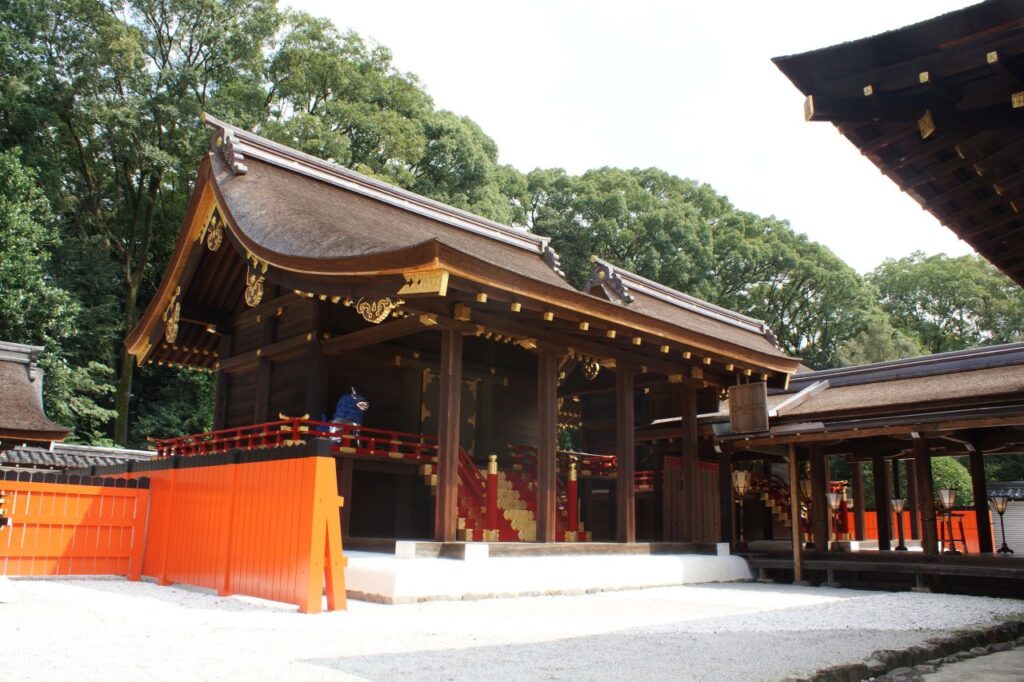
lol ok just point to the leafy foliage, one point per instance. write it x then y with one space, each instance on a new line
950 303
683 234
947 472
35 310
103 99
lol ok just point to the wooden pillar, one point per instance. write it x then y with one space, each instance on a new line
794 514
625 485
446 509
882 512
220 410
261 404
915 525
726 505
894 484
347 466
690 464
819 500
857 474
316 367
658 497
925 495
768 524
547 437
981 515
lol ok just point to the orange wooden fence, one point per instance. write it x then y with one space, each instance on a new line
968 519
73 529
268 529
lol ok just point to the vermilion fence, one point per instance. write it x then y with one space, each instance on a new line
967 519
268 529
263 523
71 528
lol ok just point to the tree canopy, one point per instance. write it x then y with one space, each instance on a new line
100 138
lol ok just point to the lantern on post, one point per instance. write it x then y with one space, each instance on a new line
999 504
947 500
898 504
834 500
741 484
807 497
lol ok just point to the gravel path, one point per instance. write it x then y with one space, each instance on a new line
110 628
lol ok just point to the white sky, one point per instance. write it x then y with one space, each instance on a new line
684 86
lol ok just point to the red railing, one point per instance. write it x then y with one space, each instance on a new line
346 439
596 466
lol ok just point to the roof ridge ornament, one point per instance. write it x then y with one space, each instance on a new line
225 141
232 156
553 260
605 276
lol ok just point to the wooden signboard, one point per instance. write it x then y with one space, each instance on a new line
748 408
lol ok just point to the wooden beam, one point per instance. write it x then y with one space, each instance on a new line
794 515
370 336
316 374
819 500
220 409
449 417
726 505
261 402
925 496
888 108
197 314
625 450
915 521
882 514
690 461
981 513
857 482
588 346
547 436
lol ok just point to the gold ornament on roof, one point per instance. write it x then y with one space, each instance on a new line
377 311
591 368
214 231
171 317
254 277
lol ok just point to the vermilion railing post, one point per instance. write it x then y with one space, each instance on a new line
572 492
492 493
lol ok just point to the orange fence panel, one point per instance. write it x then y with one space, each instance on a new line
966 518
73 529
268 529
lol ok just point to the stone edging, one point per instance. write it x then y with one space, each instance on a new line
907 665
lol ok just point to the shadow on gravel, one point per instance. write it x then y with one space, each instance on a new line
635 654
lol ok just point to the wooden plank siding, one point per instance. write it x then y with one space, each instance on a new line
268 529
70 529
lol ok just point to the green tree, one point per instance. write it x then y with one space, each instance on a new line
950 303
682 234
879 341
337 96
947 472
34 310
116 91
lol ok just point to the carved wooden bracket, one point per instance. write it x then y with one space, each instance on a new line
172 314
254 277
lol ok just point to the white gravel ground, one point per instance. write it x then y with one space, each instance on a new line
112 629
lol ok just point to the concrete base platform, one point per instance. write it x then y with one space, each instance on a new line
408 576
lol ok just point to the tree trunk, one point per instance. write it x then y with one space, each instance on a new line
126 371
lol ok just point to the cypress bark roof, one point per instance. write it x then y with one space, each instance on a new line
21 406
